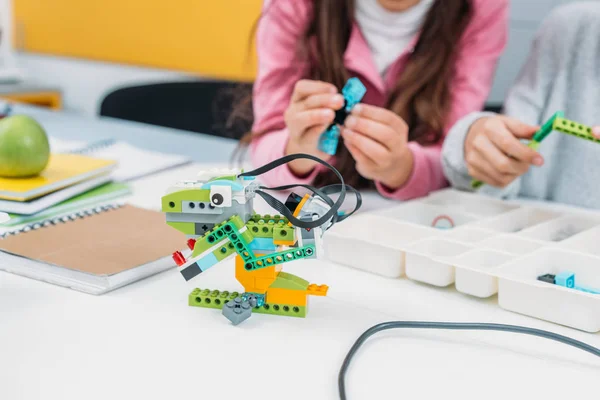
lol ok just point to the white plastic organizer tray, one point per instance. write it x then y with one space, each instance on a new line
484 247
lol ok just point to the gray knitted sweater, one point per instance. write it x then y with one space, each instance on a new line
562 73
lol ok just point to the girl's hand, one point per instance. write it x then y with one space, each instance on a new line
494 153
311 111
377 139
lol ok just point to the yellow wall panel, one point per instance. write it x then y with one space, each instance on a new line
207 37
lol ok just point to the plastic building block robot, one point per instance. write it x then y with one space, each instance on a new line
556 123
353 93
216 213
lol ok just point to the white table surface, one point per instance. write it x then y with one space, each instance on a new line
144 342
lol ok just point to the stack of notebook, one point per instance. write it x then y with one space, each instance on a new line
80 174
66 175
93 250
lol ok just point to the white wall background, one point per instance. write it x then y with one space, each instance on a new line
85 83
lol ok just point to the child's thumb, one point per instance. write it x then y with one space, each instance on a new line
520 129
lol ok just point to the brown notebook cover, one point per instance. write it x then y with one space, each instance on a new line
106 243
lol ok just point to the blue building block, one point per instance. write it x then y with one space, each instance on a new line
265 244
353 93
199 266
566 279
328 142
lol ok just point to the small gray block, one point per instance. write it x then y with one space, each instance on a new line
237 310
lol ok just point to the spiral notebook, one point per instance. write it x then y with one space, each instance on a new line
133 162
93 251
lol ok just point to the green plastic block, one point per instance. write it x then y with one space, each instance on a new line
172 201
573 128
268 217
280 257
216 299
210 298
281 310
216 235
225 178
288 281
284 232
247 236
547 128
535 145
264 228
188 228
224 251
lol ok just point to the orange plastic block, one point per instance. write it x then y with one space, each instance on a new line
317 290
284 242
286 296
263 283
257 281
299 207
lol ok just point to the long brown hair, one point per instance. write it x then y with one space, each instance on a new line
421 95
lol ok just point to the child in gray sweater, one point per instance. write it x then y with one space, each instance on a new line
561 74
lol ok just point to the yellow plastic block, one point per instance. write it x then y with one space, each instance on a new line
317 290
263 283
284 242
286 296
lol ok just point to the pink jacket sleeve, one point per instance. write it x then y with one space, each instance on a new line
483 42
279 34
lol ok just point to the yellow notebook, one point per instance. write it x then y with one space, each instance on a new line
63 170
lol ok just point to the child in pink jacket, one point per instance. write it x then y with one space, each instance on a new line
425 64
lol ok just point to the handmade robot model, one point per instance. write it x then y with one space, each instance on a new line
216 213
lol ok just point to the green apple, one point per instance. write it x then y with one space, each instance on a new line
24 147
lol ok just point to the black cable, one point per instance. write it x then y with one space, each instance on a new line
453 326
331 214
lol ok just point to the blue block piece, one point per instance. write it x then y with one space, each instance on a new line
566 279
265 244
207 261
254 299
587 290
353 92
249 178
328 142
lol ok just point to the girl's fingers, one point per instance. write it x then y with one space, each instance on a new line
376 151
480 175
381 115
314 133
508 144
480 162
383 134
310 118
492 154
596 131
305 88
326 100
364 165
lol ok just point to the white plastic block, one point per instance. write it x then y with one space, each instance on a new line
426 214
371 243
560 229
520 291
469 235
474 271
517 220
586 242
511 244
430 260
470 203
